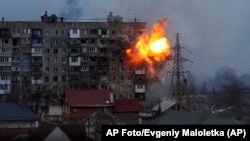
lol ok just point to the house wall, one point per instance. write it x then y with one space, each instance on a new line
78 113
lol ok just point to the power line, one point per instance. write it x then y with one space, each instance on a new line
178 80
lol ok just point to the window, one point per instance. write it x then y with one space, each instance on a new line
46 79
130 77
15 68
74 50
113 69
37 50
85 68
16 30
26 40
74 59
85 77
47 60
47 32
64 50
92 49
14 42
104 86
4 59
26 59
85 31
55 69
15 59
5 50
63 60
15 50
113 32
112 78
4 69
74 31
4 77
54 87
47 50
122 69
25 78
47 69
26 68
140 86
113 59
84 49
26 31
55 51
63 69
85 58
63 78
55 60
55 78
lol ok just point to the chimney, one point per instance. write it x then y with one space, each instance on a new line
2 19
61 18
45 13
42 18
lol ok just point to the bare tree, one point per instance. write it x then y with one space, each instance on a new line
227 87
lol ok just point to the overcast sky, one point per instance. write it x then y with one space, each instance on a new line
217 32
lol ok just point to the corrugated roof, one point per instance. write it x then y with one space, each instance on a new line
126 105
11 111
85 98
165 104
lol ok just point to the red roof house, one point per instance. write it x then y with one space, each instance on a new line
126 106
79 104
127 110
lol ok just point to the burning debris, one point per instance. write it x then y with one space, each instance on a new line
151 50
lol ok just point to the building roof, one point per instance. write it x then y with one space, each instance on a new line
192 118
42 131
100 118
73 132
88 98
126 105
11 111
164 105
237 111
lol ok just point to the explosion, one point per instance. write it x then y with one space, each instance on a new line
150 49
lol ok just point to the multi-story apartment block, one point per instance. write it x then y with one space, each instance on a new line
62 55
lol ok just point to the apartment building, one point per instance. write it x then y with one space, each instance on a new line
63 55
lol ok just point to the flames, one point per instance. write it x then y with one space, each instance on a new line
150 49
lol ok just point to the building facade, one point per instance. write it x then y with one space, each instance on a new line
61 55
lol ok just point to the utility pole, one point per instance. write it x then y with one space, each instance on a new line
178 80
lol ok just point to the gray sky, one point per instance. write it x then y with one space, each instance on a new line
217 32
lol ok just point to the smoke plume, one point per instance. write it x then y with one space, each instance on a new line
72 10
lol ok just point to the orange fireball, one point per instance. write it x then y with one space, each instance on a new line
150 49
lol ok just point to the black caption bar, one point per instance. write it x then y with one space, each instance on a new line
174 132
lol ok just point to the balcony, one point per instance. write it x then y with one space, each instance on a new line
39 81
37 42
5 33
140 71
36 33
